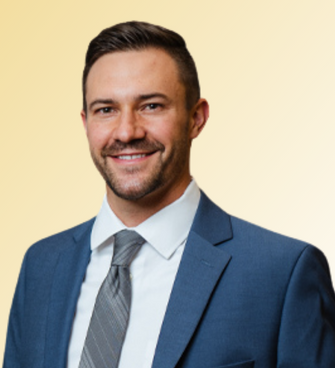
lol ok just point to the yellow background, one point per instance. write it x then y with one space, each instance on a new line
267 154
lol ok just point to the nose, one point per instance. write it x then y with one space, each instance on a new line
128 127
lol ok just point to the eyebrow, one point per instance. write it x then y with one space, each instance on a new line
151 95
109 101
100 102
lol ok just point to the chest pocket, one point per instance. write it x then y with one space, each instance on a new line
249 364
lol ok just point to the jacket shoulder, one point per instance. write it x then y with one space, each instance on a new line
248 230
259 236
235 234
60 241
265 250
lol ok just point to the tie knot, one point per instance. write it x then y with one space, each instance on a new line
126 244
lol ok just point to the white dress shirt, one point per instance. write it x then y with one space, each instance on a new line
153 273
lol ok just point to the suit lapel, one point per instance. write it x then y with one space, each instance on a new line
68 275
201 266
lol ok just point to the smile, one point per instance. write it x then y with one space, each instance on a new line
132 157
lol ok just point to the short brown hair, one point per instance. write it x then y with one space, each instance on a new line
138 36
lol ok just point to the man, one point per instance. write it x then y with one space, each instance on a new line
162 277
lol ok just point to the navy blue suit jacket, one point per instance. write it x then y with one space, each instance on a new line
243 297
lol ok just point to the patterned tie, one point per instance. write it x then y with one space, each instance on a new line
110 316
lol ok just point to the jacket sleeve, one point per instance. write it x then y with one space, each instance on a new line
307 332
12 358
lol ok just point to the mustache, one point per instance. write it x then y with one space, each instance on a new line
117 147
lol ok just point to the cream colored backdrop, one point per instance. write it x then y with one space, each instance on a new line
267 154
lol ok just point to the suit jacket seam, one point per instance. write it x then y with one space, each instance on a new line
286 292
47 327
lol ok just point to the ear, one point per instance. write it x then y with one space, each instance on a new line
200 114
84 119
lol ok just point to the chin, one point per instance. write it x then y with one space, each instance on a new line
133 191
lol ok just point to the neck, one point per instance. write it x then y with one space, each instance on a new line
133 213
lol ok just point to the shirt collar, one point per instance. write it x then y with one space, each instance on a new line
165 230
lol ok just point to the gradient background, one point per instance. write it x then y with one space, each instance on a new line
267 154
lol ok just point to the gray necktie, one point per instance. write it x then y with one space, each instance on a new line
110 316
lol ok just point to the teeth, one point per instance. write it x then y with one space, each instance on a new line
131 157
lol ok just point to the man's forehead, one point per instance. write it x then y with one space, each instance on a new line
132 60
136 71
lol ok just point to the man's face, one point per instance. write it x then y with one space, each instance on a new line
137 124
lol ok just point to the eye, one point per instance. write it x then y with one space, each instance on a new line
153 106
105 110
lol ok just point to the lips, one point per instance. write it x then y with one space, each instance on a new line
134 150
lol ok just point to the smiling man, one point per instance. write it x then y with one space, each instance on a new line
162 277
140 130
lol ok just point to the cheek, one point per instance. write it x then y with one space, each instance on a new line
167 131
98 136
